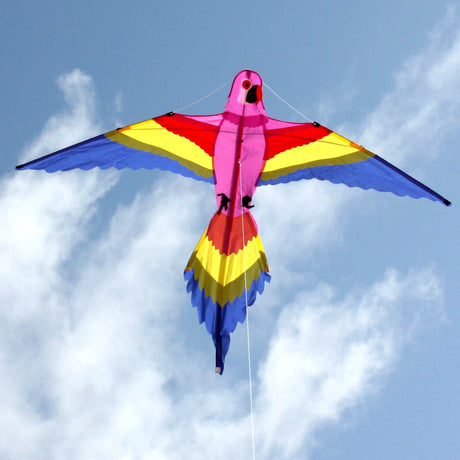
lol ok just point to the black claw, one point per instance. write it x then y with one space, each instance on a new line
224 200
246 200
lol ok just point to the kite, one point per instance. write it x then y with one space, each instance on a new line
236 150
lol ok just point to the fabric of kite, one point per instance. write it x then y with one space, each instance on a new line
237 151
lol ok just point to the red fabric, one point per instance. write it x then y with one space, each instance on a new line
226 233
281 139
202 134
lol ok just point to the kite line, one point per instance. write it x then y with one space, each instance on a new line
287 103
201 98
247 314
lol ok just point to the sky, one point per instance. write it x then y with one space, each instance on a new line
354 343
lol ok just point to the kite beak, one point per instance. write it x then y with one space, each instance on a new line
254 94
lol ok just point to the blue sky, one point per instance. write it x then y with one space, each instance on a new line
355 345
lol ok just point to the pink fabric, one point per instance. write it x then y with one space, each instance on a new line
240 144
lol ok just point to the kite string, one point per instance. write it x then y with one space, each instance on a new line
201 98
287 103
247 316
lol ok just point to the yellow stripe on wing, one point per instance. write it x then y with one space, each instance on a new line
150 136
332 149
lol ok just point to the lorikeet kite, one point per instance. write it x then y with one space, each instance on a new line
236 150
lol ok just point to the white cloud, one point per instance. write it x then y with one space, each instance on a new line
115 371
423 108
75 123
43 218
328 355
121 376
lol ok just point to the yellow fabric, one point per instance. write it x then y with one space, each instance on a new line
226 268
331 149
152 137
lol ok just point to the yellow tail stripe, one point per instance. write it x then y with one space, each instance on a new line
228 293
226 268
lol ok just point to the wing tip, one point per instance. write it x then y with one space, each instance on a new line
447 202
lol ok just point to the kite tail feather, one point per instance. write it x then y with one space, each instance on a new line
224 273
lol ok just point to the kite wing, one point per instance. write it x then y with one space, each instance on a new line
179 143
308 150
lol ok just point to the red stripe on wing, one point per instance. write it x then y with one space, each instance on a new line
202 134
281 139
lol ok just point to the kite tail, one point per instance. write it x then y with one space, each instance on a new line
224 273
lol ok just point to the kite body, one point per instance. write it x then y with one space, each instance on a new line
236 150
228 267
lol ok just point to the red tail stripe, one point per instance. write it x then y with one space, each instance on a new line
218 229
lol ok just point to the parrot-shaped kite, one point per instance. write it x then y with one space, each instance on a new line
236 150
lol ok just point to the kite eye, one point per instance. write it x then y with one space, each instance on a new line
246 84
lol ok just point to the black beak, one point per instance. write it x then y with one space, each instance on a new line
253 94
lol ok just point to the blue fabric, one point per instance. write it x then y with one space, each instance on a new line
373 173
221 321
232 312
101 152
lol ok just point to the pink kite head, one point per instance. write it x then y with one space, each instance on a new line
246 94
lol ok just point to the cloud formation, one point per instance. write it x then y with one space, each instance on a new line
329 354
423 107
